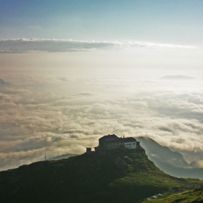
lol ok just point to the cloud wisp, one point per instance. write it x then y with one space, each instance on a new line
62 45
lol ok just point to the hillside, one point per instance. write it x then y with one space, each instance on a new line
119 175
169 161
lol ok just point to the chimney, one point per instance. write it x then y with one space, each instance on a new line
88 150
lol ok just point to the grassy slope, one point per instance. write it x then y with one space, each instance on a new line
189 196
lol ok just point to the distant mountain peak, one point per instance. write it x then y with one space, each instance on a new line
169 160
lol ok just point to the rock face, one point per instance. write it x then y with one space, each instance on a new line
119 175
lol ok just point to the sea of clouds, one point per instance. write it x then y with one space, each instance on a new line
57 111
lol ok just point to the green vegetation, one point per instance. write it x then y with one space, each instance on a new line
189 196
116 176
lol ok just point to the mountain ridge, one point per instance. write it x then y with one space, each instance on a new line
118 175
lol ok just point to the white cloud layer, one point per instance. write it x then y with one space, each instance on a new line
40 115
60 103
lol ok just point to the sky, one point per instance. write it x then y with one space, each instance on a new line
73 71
174 21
